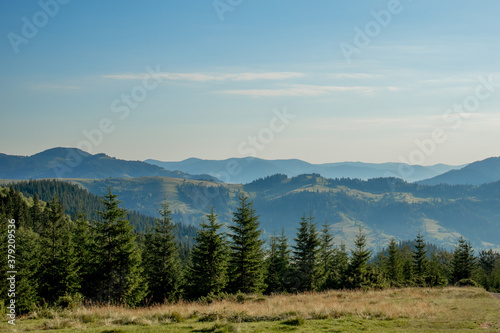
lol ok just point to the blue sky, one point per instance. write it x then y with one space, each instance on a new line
218 83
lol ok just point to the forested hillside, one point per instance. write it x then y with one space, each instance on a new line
382 207
63 261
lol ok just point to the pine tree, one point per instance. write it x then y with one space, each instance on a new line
306 255
326 258
357 273
208 271
392 264
340 267
119 271
246 260
463 261
83 242
278 264
58 275
28 264
163 269
420 261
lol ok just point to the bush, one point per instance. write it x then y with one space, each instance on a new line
70 301
467 283
297 321
241 298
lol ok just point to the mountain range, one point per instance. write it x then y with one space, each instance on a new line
76 163
477 173
383 207
248 169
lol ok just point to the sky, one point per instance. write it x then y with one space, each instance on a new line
322 81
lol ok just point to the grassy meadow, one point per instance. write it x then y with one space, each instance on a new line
405 310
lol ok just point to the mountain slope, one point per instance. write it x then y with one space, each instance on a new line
75 163
481 172
245 170
382 207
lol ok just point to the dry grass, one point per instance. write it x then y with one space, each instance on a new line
390 303
452 305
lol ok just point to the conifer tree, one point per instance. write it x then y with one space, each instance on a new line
208 271
246 260
278 264
326 258
58 274
392 264
162 264
420 261
463 261
358 274
340 267
28 264
306 255
83 238
119 271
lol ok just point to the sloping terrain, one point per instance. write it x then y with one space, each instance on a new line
248 169
383 207
75 163
477 173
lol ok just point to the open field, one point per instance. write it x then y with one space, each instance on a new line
404 310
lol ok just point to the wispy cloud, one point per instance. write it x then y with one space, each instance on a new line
204 77
303 90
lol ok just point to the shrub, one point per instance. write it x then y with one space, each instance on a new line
297 321
467 283
70 301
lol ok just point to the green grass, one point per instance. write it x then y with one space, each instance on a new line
395 310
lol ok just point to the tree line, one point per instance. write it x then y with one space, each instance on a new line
63 260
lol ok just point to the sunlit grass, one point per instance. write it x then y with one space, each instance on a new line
408 309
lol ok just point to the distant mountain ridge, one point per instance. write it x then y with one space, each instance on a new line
247 169
477 173
75 163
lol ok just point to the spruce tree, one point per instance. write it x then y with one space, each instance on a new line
392 264
420 261
357 273
463 261
246 260
28 265
58 272
119 271
278 264
83 238
306 255
340 267
326 258
208 271
163 269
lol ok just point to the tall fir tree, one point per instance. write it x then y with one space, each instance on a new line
420 261
163 268
326 258
357 274
246 260
392 264
340 267
119 271
58 271
464 261
209 260
306 255
278 264
83 238
28 265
